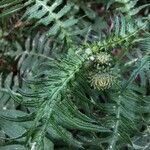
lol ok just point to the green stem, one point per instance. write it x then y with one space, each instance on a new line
115 135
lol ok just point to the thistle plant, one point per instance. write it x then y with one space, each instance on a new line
74 75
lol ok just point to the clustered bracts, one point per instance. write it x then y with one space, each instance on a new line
102 81
103 58
101 76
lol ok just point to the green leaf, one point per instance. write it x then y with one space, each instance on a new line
143 62
13 147
12 129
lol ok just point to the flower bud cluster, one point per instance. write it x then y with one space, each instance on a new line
102 77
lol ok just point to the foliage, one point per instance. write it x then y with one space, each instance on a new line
74 74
